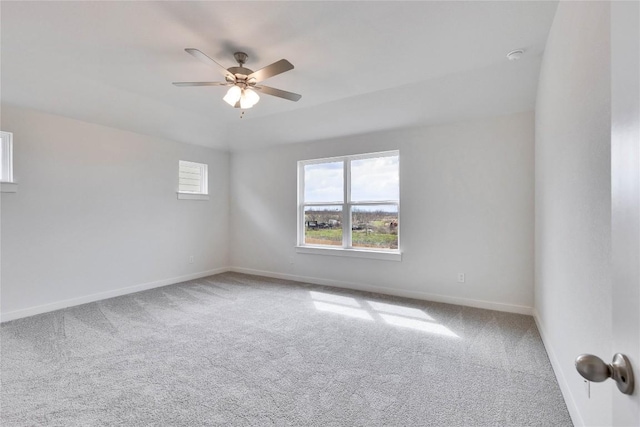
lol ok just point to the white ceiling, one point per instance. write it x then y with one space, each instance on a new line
360 66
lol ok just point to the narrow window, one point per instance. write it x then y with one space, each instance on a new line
6 157
7 184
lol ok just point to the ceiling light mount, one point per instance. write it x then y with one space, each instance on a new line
240 57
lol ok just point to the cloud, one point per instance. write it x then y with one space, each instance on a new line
375 179
372 179
323 182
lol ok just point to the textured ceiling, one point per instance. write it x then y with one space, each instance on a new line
360 66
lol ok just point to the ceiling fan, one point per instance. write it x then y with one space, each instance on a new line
243 81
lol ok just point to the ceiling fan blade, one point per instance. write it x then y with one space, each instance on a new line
279 93
182 84
205 59
274 69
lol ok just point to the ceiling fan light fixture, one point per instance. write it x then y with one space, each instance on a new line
233 95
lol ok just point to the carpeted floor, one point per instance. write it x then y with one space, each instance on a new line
240 350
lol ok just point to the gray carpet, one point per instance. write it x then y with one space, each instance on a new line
243 350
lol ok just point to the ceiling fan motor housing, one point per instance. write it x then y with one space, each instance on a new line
240 72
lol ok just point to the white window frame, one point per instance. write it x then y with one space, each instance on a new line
347 204
204 182
7 183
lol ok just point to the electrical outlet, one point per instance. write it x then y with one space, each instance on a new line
191 259
460 277
292 260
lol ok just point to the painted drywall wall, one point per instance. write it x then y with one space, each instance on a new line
466 206
96 213
573 201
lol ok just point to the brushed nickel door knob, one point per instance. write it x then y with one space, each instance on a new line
595 369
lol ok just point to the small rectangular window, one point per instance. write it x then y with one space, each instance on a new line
192 180
6 157
7 184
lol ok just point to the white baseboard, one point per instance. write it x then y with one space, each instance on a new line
510 308
31 311
562 380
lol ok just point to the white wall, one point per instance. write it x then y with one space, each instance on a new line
573 201
466 206
96 211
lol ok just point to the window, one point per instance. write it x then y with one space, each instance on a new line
192 181
349 203
6 163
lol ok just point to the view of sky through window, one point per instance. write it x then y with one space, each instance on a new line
371 179
323 182
375 179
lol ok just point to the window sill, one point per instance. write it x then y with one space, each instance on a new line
353 253
192 196
8 187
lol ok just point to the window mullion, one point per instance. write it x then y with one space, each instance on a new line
346 209
323 203
301 201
